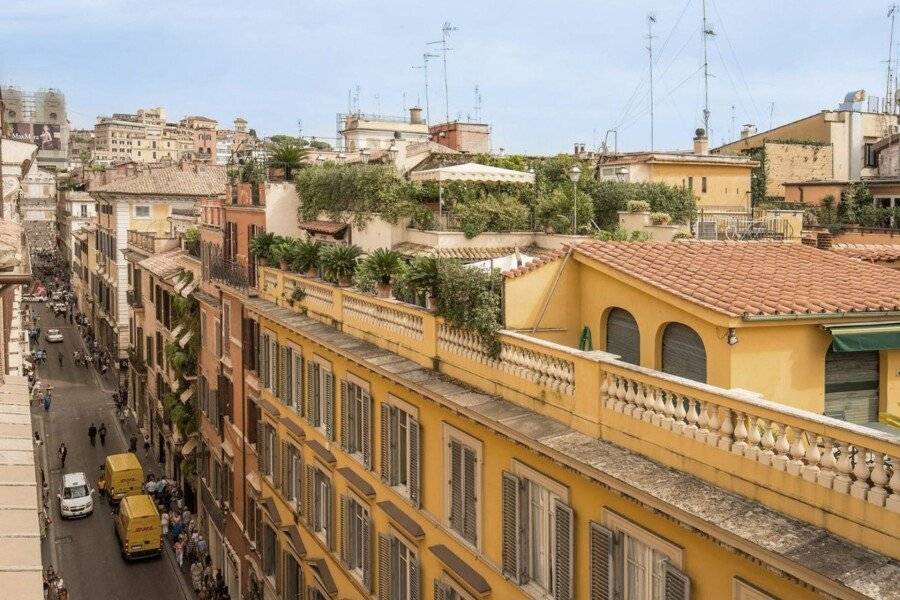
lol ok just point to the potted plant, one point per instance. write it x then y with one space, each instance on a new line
422 277
384 265
284 251
660 218
339 262
295 296
306 259
637 206
261 246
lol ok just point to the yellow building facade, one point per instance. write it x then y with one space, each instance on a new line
397 458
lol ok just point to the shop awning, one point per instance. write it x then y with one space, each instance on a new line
861 337
189 447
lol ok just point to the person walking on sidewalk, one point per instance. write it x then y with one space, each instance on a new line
132 443
147 444
92 433
62 453
102 433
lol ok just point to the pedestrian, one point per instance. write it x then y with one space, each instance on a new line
179 551
164 522
92 433
147 444
62 453
37 438
132 443
47 399
102 433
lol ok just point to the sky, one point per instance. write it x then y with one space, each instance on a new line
550 73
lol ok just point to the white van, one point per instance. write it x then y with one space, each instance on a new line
76 499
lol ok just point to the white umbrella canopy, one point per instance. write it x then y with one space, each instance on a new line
472 172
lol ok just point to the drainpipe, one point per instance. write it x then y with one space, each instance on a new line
829 315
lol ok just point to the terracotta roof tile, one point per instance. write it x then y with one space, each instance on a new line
869 252
173 181
465 253
540 261
753 278
326 227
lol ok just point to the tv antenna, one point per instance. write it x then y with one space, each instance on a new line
651 19
707 33
477 104
446 30
300 129
892 13
424 66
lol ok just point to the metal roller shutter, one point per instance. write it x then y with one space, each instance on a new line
622 336
683 353
851 386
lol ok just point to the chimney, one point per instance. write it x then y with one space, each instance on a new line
701 143
747 130
823 240
415 115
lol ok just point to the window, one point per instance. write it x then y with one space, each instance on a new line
218 338
703 184
447 589
537 532
320 397
871 157
741 590
356 421
683 352
690 183
266 449
623 336
319 499
398 569
400 451
142 212
356 536
269 552
291 474
84 210
462 468
631 563
293 578
264 380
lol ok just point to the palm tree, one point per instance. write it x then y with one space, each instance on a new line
288 155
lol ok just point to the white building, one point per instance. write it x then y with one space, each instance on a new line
75 210
377 132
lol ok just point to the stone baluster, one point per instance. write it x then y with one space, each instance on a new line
844 467
740 434
767 453
860 486
604 391
798 451
782 447
649 404
893 501
754 438
827 465
878 492
702 422
668 400
812 458
726 430
659 407
620 394
693 415
712 434
680 421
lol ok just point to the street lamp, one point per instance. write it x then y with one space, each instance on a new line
574 174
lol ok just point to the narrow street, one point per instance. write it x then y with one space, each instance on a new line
85 552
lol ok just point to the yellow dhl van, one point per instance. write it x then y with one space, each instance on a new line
138 527
124 476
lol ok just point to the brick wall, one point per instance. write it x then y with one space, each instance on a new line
795 162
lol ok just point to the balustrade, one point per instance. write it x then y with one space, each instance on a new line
383 317
835 464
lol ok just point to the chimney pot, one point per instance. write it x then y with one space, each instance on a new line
415 115
701 142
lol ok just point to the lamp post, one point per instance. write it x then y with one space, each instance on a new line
574 174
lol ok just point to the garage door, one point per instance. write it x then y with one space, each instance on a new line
851 386
683 353
622 336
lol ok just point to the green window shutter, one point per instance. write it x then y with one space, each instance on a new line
384 567
345 413
366 428
677 583
456 487
601 557
385 443
329 405
511 555
470 496
564 551
414 461
285 462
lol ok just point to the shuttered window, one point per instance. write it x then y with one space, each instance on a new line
320 505
293 578
683 353
622 336
356 421
400 451
445 589
464 482
320 397
296 380
264 361
398 569
538 535
356 537
291 474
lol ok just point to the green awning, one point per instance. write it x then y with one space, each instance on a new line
861 337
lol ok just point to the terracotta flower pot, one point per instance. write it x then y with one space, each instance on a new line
383 290
344 282
311 272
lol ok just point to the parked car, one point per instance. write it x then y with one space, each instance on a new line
77 498
54 335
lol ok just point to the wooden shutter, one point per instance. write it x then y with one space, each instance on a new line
601 565
345 414
470 495
414 583
264 361
299 400
301 492
329 515
345 531
677 584
261 446
564 551
512 558
456 484
309 496
384 566
385 443
365 541
414 461
442 591
329 405
366 428
311 402
282 371
285 463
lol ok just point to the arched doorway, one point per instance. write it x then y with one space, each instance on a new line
622 336
683 352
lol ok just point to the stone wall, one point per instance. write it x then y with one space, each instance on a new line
795 162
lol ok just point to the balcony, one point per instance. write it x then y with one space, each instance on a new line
150 242
234 272
134 299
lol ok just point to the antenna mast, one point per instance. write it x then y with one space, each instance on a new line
446 30
424 68
888 101
707 33
651 19
477 104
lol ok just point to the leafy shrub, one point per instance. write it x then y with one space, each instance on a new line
660 218
501 213
682 235
384 265
637 206
306 256
339 261
621 235
261 245
285 250
553 211
422 276
470 299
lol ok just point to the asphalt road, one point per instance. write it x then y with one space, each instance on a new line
85 552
